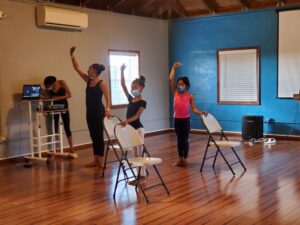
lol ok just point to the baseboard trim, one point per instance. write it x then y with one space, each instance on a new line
229 133
283 137
158 132
239 134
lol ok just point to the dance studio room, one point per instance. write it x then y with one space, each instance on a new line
149 112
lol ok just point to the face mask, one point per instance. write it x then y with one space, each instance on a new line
180 88
135 93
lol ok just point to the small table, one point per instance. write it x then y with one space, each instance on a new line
37 140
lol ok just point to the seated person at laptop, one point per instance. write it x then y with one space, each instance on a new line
59 91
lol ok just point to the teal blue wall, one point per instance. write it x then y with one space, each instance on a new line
194 43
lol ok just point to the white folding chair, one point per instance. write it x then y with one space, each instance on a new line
109 125
128 139
213 127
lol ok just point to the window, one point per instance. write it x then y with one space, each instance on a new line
238 76
116 59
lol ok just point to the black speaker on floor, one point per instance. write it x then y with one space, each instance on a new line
252 127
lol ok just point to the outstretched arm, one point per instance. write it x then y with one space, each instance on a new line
172 74
76 65
123 83
194 108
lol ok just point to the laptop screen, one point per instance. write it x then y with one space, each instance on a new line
31 91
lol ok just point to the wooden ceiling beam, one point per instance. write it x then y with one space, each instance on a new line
211 5
163 7
117 4
281 2
179 9
245 4
170 6
83 3
135 5
111 5
144 4
159 7
198 13
105 4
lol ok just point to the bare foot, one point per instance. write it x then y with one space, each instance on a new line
73 155
179 163
93 164
185 163
141 179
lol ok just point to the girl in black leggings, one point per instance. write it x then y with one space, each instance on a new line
60 92
95 110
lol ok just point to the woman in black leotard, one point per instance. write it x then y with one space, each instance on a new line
60 92
95 110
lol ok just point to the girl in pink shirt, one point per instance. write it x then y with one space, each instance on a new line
183 101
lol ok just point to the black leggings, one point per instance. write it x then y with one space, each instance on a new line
65 116
95 125
182 129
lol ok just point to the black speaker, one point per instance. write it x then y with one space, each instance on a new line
252 127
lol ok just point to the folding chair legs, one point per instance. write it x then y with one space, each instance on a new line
215 159
118 159
138 184
225 161
204 157
161 180
240 161
117 180
105 160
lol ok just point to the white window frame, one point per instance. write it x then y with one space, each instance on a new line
238 76
132 72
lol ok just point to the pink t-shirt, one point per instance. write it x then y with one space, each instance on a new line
182 105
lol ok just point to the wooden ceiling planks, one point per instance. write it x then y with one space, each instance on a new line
172 9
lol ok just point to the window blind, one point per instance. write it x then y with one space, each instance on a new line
238 76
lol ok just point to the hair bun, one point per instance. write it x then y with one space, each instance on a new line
102 67
142 79
98 67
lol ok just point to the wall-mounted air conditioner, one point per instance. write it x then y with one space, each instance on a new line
61 18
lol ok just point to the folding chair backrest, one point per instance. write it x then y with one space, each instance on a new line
211 123
109 125
127 136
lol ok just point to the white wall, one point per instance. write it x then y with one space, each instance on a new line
28 54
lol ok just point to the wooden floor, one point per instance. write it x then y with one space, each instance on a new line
65 192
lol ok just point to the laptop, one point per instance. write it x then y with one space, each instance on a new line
31 91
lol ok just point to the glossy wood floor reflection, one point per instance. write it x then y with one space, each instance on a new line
65 192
